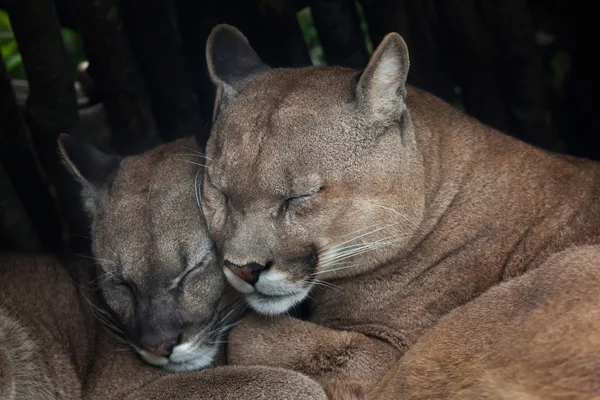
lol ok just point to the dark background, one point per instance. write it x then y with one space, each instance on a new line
126 75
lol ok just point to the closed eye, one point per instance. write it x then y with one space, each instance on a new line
126 285
218 190
224 196
293 201
189 273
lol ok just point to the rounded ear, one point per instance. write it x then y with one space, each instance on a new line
382 85
86 163
230 58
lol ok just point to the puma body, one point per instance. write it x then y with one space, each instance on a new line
52 347
542 340
496 208
163 291
381 205
71 330
45 334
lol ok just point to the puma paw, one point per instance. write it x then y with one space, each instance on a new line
345 390
262 340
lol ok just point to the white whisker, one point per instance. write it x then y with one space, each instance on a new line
196 191
98 259
326 285
99 280
195 163
412 223
337 269
361 236
350 251
196 152
113 253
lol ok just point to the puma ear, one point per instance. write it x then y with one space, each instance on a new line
92 168
230 58
382 85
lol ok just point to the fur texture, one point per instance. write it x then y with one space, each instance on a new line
160 280
60 338
380 205
541 342
52 347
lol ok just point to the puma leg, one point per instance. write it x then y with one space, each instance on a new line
320 352
232 383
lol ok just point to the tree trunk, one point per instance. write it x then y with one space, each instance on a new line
521 77
339 31
468 44
271 27
158 51
21 166
16 229
117 75
424 51
195 22
385 16
51 106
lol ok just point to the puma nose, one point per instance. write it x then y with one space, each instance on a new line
163 349
248 272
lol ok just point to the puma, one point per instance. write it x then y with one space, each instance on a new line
60 338
53 348
388 210
165 294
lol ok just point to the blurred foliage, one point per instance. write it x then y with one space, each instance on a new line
8 47
364 27
559 63
10 50
311 36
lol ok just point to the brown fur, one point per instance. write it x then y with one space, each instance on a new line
52 348
60 340
160 278
542 340
428 208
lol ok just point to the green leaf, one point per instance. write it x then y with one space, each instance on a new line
9 48
13 62
4 20
311 37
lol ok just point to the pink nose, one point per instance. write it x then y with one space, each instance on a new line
161 351
249 272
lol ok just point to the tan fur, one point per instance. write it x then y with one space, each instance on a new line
542 340
60 338
159 276
45 347
402 207
53 348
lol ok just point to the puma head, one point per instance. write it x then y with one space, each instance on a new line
312 173
160 280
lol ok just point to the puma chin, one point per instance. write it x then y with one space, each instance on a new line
159 276
185 357
293 190
272 294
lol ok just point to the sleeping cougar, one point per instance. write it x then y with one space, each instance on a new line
386 209
149 237
160 280
51 348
